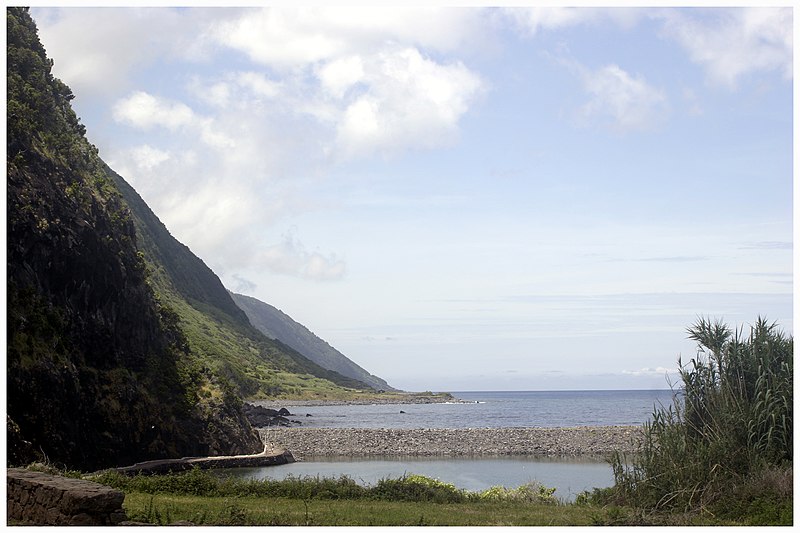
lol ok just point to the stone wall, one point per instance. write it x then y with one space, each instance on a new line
42 499
269 457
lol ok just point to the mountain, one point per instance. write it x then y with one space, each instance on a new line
219 334
276 324
96 366
122 345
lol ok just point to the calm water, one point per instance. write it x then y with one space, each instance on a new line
570 477
486 409
496 409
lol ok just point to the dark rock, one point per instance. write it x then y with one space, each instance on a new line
260 417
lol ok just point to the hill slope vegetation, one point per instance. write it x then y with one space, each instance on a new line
276 324
122 344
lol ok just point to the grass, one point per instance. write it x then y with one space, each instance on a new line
252 510
205 499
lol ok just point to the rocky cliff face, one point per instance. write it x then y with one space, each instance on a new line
95 372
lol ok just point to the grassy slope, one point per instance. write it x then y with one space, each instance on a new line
276 324
218 333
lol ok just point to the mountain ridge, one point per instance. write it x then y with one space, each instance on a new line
96 365
276 324
188 285
123 345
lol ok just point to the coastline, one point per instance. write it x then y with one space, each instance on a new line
372 442
408 398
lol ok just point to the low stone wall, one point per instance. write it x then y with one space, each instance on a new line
36 498
269 457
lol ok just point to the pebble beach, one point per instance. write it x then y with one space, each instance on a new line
372 442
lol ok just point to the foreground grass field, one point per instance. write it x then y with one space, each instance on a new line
250 510
202 498
163 509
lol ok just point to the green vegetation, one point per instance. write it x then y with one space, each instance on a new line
410 488
94 362
203 498
725 447
166 509
122 344
277 325
220 338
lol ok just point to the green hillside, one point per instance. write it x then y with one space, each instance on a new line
276 324
219 333
97 368
122 345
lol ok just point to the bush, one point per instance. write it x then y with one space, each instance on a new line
416 488
531 493
732 420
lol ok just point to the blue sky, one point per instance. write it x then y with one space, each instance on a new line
461 198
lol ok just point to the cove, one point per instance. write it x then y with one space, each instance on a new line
570 476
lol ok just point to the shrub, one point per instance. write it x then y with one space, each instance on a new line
533 492
731 420
416 488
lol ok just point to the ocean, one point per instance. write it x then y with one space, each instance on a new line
477 409
495 409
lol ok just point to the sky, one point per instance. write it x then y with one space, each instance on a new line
467 198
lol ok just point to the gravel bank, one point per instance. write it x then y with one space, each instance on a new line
349 442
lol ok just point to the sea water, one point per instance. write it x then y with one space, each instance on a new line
569 476
495 409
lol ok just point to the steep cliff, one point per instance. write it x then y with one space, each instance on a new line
99 371
219 334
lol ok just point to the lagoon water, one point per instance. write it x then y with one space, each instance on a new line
569 476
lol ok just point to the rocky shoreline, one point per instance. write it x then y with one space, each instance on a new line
372 442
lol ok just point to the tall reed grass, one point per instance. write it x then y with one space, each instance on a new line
730 421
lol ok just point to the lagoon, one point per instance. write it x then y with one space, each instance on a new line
476 409
570 476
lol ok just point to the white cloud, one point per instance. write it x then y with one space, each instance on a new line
80 60
290 257
340 75
208 215
292 37
627 101
731 44
408 100
279 37
97 51
147 158
649 371
258 83
532 20
213 137
145 111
